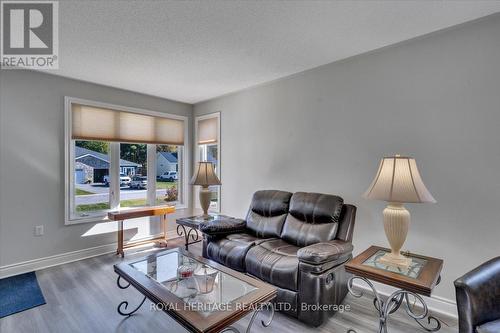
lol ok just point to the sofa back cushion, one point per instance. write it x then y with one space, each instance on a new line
346 223
267 213
312 218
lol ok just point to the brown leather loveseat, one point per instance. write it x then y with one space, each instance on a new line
297 242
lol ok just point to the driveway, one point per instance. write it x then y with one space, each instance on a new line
94 188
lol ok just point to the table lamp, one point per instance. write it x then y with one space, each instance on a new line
205 176
397 182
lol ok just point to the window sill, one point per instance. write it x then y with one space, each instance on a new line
87 219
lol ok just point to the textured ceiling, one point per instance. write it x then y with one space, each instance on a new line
194 51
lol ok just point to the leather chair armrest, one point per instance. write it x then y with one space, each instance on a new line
323 252
223 227
477 294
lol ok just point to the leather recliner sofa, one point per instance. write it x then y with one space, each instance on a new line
297 242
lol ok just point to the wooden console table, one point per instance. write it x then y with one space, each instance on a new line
122 215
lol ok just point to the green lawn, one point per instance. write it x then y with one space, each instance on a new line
161 201
92 207
133 203
123 203
105 205
82 192
164 185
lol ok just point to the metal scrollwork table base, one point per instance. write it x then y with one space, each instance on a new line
122 307
191 235
393 303
264 323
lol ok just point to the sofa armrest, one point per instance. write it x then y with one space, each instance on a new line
223 227
323 252
477 295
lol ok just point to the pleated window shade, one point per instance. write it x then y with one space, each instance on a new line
94 123
207 131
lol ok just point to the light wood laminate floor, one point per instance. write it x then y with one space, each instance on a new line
82 297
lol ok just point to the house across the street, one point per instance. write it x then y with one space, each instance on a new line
91 166
166 161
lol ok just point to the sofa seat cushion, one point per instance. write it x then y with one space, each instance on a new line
274 261
231 250
491 327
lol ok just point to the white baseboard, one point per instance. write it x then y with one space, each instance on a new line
436 304
64 258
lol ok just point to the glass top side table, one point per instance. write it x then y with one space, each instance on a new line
413 271
419 279
188 227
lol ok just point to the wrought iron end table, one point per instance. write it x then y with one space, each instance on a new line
189 226
419 279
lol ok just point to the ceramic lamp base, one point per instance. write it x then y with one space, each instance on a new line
396 224
205 196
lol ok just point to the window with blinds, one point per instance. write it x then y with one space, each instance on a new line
120 157
94 123
207 129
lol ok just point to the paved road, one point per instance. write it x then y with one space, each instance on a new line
102 194
94 188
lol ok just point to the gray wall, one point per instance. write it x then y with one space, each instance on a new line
32 164
436 98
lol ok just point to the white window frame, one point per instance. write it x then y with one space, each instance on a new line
114 159
197 156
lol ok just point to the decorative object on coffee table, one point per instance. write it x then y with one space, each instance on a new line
205 176
419 279
397 181
188 226
226 297
204 278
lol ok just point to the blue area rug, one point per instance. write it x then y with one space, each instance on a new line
19 293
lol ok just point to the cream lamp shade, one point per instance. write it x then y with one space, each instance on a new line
204 175
398 180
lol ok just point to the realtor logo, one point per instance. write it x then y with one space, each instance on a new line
29 34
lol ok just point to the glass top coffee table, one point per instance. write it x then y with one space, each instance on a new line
201 295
